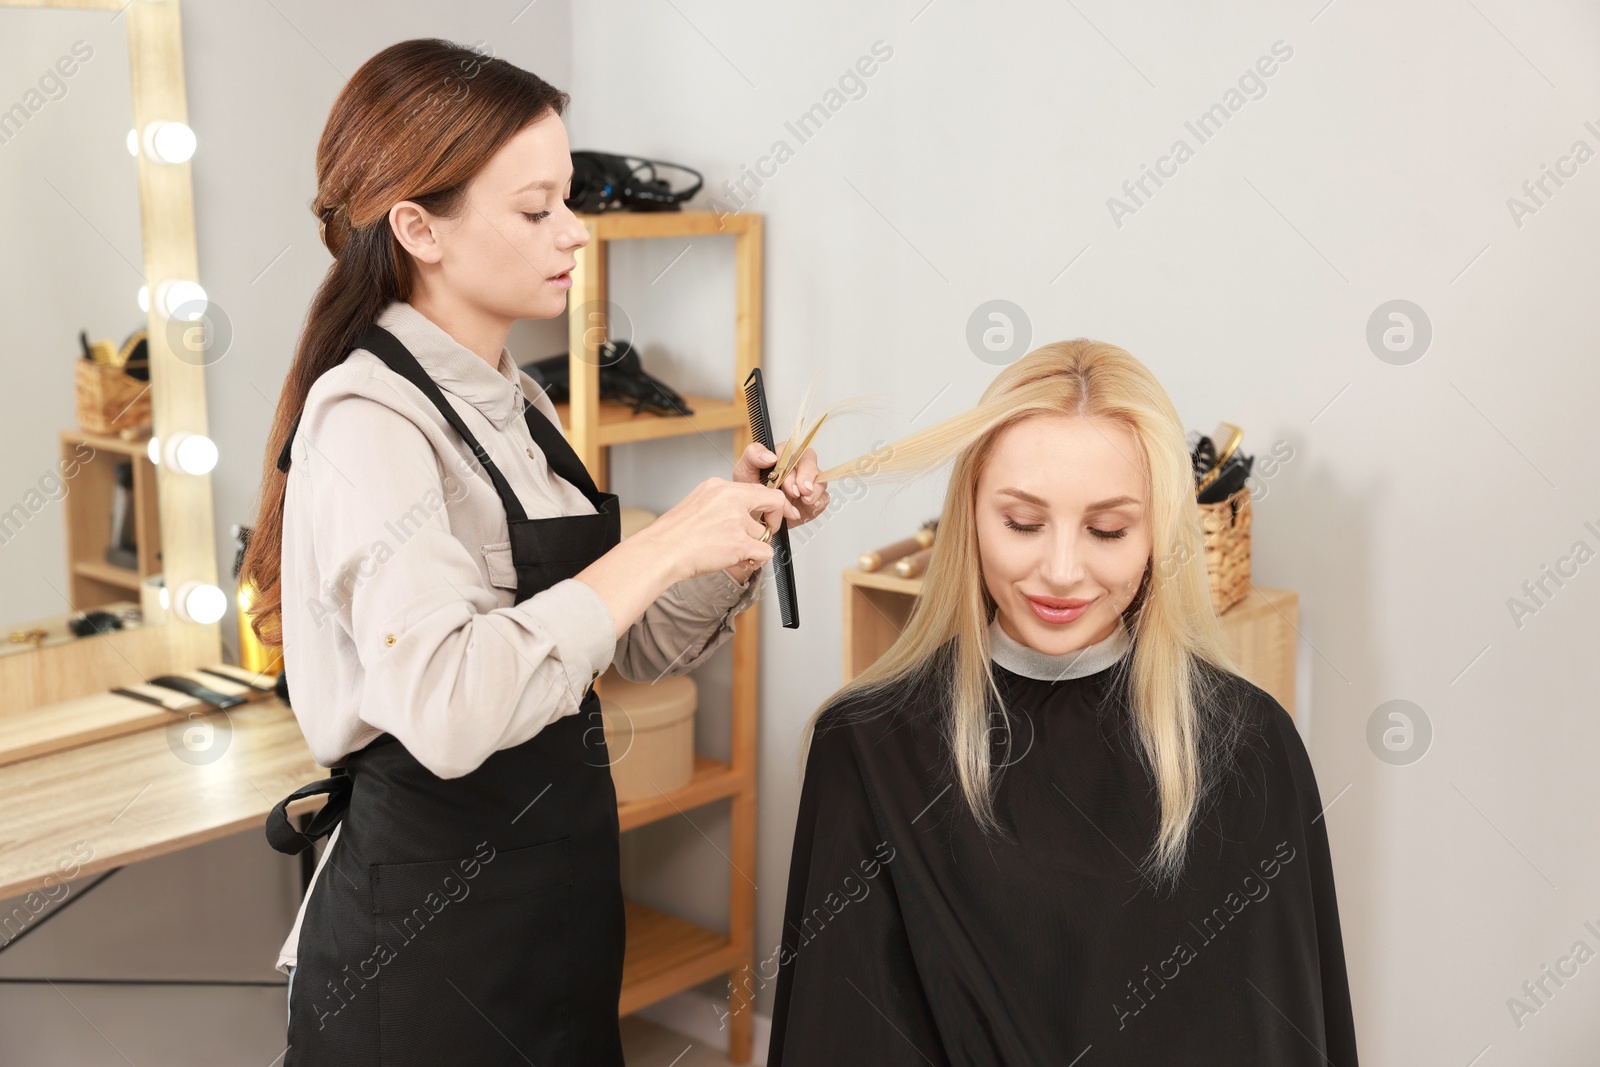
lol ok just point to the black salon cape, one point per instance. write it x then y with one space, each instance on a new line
912 938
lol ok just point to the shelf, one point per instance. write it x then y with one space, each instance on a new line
885 579
667 955
139 446
619 425
88 511
712 780
108 573
626 226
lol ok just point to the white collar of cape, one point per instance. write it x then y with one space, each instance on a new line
1031 663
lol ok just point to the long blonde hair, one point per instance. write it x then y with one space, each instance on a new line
1184 724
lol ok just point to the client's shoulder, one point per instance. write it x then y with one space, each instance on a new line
851 715
891 723
1252 716
1224 693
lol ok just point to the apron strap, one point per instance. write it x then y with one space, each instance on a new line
283 453
563 461
558 453
398 358
282 834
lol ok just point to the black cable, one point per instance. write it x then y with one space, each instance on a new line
71 900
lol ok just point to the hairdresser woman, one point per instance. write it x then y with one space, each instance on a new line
448 583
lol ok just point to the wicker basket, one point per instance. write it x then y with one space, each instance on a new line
1226 527
109 401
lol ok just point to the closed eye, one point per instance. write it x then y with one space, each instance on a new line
536 217
1104 535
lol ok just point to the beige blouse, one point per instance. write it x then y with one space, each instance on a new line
398 586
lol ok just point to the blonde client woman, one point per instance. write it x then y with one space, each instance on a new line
1051 825
447 583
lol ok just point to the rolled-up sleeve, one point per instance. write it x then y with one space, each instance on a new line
445 669
685 625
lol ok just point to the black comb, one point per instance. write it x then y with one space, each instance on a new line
755 407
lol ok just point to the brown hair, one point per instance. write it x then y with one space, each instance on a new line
417 122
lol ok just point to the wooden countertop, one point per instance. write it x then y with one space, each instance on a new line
130 798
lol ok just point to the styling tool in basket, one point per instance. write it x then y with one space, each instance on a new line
755 406
1221 469
888 555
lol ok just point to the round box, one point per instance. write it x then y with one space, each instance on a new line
649 734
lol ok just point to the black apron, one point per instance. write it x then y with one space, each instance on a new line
476 919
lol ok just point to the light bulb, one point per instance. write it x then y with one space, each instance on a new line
173 294
133 143
201 602
169 142
144 299
191 453
153 449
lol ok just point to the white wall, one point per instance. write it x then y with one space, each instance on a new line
1420 497
977 166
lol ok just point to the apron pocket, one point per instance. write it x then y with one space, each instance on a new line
473 957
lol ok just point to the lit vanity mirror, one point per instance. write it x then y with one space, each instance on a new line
106 523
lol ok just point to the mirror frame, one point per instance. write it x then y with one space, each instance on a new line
178 397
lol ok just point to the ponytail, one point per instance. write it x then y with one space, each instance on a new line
417 122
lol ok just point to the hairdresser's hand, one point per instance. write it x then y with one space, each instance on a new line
719 525
806 497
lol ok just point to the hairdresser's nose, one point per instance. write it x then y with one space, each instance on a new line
574 235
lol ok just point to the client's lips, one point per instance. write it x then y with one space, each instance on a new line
1058 610
1058 602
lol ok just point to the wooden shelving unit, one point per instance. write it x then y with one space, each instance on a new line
666 954
1261 628
87 506
620 426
